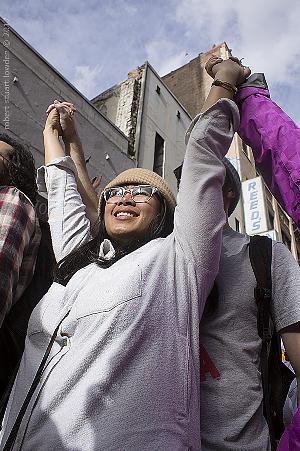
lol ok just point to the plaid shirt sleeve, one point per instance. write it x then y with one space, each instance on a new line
19 241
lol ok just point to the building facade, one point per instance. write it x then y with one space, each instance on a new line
152 118
29 84
139 122
190 84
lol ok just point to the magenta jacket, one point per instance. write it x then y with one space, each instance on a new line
275 140
290 440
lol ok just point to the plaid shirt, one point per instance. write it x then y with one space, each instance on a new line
19 241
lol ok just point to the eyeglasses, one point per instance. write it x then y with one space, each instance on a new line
139 193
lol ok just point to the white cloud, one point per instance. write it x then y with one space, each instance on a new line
104 40
86 79
164 55
81 39
267 34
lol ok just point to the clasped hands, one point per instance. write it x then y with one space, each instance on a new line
60 118
231 70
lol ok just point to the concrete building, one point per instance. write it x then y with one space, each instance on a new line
145 107
154 121
29 84
141 121
190 84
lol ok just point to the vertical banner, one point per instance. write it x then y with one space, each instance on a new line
254 206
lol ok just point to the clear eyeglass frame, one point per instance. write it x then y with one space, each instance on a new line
139 193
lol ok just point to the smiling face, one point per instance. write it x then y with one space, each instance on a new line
126 220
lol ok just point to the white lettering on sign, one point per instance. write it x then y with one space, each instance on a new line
254 206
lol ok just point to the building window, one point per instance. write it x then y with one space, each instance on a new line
271 219
246 150
237 225
286 239
159 153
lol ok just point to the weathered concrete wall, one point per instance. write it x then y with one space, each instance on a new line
159 114
186 82
33 85
107 102
128 106
141 112
121 104
190 83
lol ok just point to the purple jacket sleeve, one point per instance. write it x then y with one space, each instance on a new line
275 141
290 440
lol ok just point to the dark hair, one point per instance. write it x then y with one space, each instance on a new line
20 167
88 253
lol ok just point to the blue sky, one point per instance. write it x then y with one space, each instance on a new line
94 44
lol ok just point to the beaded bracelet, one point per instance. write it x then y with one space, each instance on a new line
225 85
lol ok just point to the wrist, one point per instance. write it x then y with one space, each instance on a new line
49 130
225 85
71 139
227 77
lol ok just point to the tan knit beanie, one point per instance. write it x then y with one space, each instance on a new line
145 177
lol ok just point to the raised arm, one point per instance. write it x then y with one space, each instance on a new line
275 141
286 303
291 340
51 133
85 187
68 222
73 147
200 216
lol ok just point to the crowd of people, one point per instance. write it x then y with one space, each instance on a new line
145 335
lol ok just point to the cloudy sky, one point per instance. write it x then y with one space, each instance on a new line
94 43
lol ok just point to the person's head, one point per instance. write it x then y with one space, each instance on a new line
137 206
231 188
17 166
134 208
